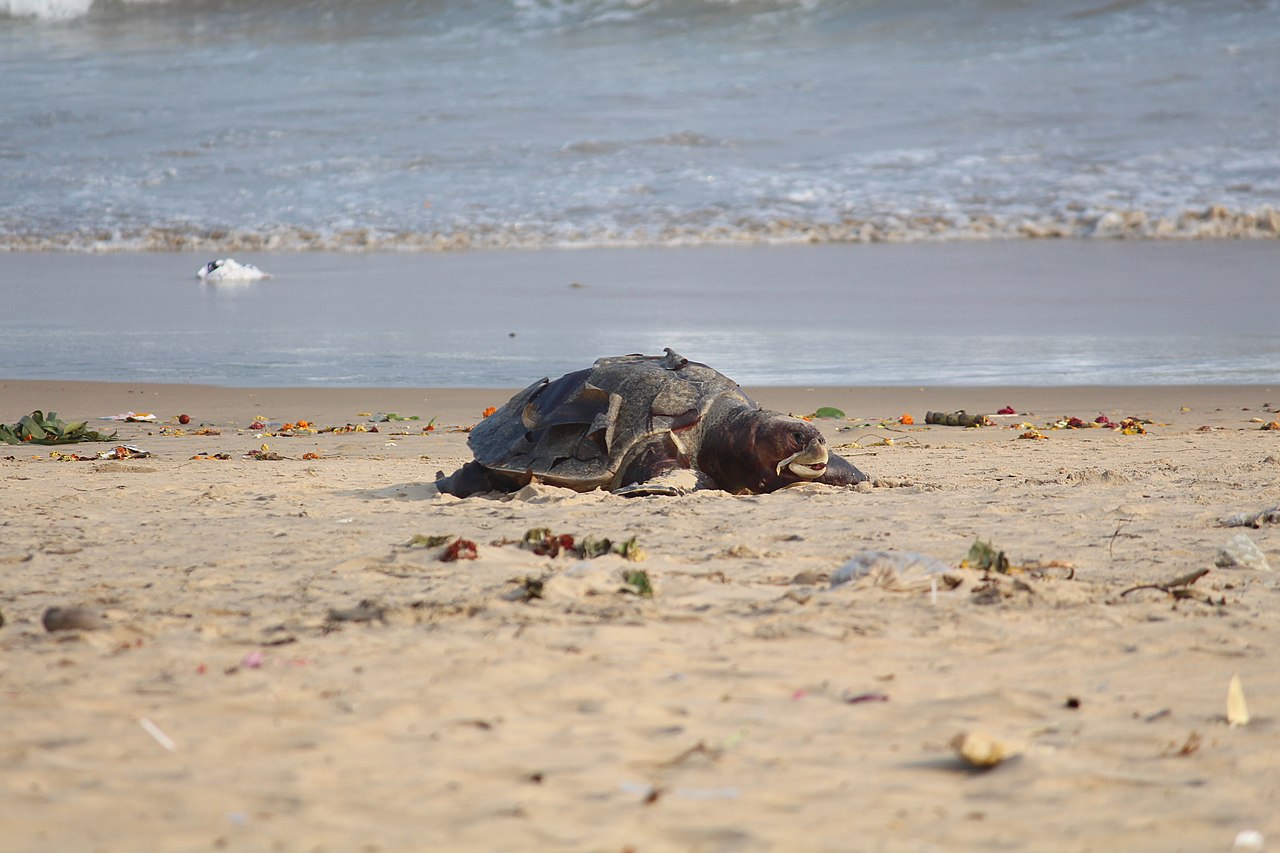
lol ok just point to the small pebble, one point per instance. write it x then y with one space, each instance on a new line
981 750
1249 839
71 619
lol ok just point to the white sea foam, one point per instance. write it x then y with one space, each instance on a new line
59 10
46 10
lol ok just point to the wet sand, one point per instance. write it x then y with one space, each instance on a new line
239 695
1064 312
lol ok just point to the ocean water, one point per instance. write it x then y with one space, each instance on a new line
351 125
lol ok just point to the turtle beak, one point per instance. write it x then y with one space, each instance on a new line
808 464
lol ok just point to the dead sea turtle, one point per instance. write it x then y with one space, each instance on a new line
644 425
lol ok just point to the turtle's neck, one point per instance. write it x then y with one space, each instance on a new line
727 452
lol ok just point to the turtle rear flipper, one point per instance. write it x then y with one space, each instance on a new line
475 479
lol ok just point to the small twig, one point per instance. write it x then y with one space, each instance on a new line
1171 587
156 732
700 748
1112 545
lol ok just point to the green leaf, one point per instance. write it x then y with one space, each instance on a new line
629 550
639 579
29 425
828 412
39 428
592 547
983 555
536 535
421 541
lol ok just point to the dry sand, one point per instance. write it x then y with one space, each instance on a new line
746 706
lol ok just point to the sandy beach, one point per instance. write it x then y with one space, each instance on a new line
277 667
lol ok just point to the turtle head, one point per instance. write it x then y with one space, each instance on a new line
793 450
760 451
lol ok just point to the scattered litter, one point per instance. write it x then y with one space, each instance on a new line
123 451
179 431
72 619
1252 519
986 557
253 660
129 417
1240 552
365 611
729 793
39 428
1007 410
459 549
647 792
638 583
1187 748
229 269
421 541
543 542
1237 710
828 413
385 417
981 750
899 571
157 733
1126 426
960 418
1249 839
298 426
698 750
876 441
906 420
1034 435
527 589
860 698
347 428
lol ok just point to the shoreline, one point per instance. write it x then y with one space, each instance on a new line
88 400
971 314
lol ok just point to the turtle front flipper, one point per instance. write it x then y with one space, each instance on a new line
841 472
676 482
660 468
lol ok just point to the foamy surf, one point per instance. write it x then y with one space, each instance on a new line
222 126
